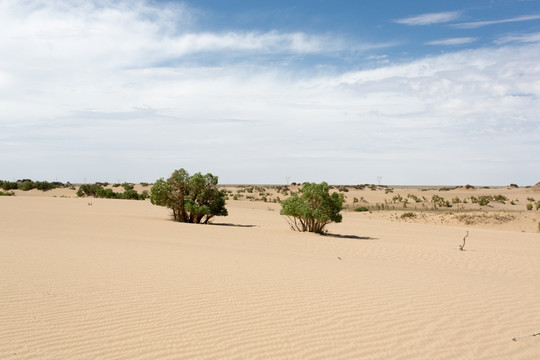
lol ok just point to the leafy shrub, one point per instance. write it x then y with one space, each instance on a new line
44 185
440 201
88 190
483 200
192 199
7 193
130 194
500 198
128 186
27 185
529 206
361 209
313 209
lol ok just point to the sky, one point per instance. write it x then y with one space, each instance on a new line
270 92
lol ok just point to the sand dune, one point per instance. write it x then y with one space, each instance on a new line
118 280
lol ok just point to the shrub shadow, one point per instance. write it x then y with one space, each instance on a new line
355 237
235 225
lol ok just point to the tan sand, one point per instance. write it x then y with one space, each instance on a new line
115 279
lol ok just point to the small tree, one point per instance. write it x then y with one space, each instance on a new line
192 199
313 209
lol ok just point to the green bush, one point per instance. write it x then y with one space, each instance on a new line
27 185
44 185
313 209
128 186
88 190
130 194
361 209
192 199
483 200
7 193
529 206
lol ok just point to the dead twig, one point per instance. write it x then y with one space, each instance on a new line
520 337
462 247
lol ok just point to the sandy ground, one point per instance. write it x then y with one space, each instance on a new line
116 279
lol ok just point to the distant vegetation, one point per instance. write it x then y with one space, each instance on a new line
97 190
27 184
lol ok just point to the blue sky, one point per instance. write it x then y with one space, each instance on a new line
417 92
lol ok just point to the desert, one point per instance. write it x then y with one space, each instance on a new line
378 167
90 278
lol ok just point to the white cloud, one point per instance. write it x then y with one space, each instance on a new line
477 24
81 97
430 18
522 38
452 41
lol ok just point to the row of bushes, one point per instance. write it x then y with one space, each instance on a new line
28 184
98 191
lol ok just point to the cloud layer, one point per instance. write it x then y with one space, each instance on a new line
132 92
430 18
477 24
452 41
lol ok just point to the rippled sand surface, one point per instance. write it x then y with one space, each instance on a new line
115 279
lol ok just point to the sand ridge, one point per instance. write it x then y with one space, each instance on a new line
118 280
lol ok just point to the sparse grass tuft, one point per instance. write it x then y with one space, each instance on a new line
408 215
